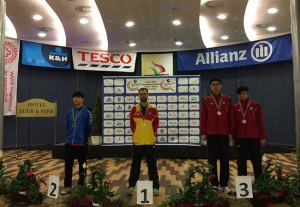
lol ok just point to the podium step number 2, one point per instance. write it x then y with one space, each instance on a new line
243 187
53 186
144 192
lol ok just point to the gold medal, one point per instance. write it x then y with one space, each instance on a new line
244 121
219 113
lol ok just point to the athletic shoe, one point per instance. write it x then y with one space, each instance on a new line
130 191
66 190
155 192
226 190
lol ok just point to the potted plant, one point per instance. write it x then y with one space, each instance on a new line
196 193
266 186
4 180
26 185
99 188
97 121
80 196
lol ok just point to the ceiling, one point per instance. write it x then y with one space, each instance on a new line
153 30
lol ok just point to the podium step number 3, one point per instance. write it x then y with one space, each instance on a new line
243 187
53 186
144 192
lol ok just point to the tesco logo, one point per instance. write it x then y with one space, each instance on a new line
105 57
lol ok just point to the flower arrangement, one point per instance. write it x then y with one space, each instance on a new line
4 180
96 190
196 193
27 183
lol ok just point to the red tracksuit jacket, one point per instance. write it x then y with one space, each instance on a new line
254 126
210 122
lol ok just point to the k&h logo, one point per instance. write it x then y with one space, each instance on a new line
261 51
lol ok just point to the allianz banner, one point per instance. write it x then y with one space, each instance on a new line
103 61
42 55
251 53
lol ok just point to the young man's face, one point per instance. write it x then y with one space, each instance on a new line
243 96
216 87
77 100
143 95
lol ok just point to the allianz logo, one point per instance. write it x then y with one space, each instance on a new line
260 52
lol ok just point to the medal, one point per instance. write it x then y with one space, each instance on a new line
244 121
75 118
219 113
143 124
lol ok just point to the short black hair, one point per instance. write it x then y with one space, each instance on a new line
215 79
78 94
240 89
143 89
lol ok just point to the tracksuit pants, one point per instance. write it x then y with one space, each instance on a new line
137 154
245 146
218 148
71 153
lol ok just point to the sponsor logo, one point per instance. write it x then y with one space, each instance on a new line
56 56
11 52
261 51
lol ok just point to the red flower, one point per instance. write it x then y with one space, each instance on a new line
30 173
222 203
284 172
263 197
108 182
212 176
280 193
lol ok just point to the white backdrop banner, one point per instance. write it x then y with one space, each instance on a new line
103 61
12 50
177 99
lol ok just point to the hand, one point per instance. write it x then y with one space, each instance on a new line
230 136
263 142
204 138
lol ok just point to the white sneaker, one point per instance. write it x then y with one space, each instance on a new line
155 192
130 191
226 190
66 190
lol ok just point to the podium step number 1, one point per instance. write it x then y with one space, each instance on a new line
53 186
243 185
144 192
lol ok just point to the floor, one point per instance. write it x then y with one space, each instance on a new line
171 172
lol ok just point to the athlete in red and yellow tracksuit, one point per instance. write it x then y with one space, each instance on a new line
144 123
216 127
250 132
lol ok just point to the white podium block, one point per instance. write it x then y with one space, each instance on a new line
243 185
144 192
53 186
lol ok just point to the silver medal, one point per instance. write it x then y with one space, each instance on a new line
219 113
244 121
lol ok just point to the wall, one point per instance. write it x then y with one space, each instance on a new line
270 84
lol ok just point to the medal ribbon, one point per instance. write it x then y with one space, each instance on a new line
77 115
220 102
244 113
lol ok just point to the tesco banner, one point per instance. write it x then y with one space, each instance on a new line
251 53
103 61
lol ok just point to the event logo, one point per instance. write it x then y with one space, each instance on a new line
11 52
261 51
56 56
166 85
156 68
133 86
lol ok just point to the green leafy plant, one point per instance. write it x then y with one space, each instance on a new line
99 189
97 116
28 182
4 180
196 192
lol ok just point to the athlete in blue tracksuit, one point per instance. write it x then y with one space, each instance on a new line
79 126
